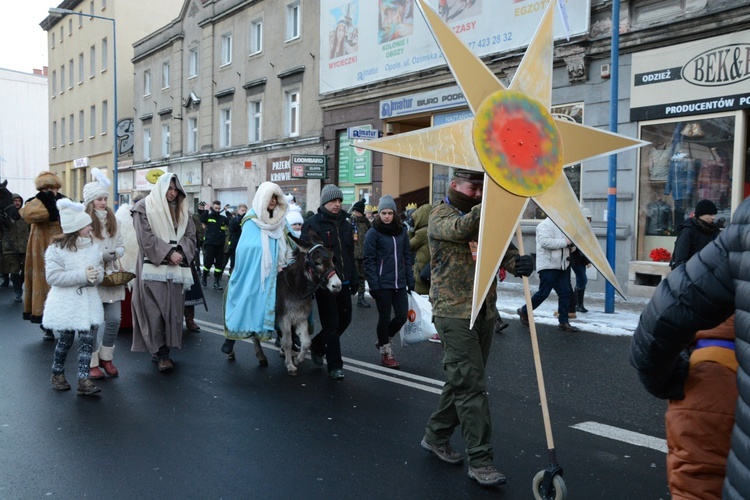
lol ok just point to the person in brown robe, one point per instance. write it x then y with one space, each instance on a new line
41 213
166 245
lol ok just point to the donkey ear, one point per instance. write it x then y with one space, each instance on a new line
4 183
314 237
301 244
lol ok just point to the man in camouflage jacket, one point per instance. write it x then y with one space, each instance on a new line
453 228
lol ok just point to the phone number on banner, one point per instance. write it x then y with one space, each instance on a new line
491 40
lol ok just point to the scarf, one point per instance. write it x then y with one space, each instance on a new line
271 225
159 215
102 216
461 201
387 229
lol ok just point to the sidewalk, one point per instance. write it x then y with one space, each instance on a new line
623 321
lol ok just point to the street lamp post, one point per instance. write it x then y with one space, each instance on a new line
55 12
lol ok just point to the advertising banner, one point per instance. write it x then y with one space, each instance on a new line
355 164
701 77
365 41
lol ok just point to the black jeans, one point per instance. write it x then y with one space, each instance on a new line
385 300
335 311
213 255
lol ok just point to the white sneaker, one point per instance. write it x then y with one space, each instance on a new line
435 338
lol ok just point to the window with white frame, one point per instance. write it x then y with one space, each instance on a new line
255 121
62 34
62 78
165 140
105 121
256 36
80 21
165 75
292 20
104 54
53 39
192 134
226 49
70 26
54 83
146 143
292 112
81 125
147 82
92 61
91 7
80 68
92 119
225 127
72 125
193 63
62 132
71 74
54 134
104 4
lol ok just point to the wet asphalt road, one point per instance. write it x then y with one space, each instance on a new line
218 429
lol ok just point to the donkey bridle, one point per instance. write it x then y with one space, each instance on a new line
318 279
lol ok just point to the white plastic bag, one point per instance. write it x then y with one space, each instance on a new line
418 326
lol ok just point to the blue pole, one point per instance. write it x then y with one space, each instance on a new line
609 294
115 190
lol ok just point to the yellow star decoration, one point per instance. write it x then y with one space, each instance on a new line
517 143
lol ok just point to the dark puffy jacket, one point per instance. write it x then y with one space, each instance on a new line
388 260
338 236
711 286
692 236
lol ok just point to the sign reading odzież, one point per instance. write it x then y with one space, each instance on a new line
308 166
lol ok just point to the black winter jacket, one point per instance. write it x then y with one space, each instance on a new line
388 260
704 292
216 228
692 236
338 236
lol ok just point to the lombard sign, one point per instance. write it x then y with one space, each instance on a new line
705 76
308 166
422 102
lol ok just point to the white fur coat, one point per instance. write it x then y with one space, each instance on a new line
72 303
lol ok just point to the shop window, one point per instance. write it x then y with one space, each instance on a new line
687 161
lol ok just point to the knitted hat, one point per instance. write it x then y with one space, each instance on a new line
705 207
387 203
330 192
47 180
100 187
289 198
72 215
359 206
294 215
16 195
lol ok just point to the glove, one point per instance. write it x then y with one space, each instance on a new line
91 274
524 265
109 255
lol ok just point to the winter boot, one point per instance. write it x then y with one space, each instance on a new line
579 300
86 387
17 280
48 336
106 364
94 371
59 382
361 302
204 278
386 357
217 282
190 319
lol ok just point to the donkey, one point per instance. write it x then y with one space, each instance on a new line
296 284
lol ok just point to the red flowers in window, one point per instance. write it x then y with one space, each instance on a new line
660 255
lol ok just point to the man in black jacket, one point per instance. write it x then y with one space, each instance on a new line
213 245
335 310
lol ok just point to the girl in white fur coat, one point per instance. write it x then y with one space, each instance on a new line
73 267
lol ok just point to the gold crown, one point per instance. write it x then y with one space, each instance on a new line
371 208
411 206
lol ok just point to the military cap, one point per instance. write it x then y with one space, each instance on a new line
469 175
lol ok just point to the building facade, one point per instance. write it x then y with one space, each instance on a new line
226 96
24 150
391 77
83 59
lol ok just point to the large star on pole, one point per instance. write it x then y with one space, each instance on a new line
515 140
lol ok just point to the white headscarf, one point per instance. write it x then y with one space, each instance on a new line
158 213
270 226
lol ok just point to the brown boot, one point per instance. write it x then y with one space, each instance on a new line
106 365
190 319
87 388
59 382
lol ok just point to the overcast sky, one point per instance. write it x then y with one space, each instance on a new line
23 41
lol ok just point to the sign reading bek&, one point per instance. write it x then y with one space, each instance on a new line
308 166
700 77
